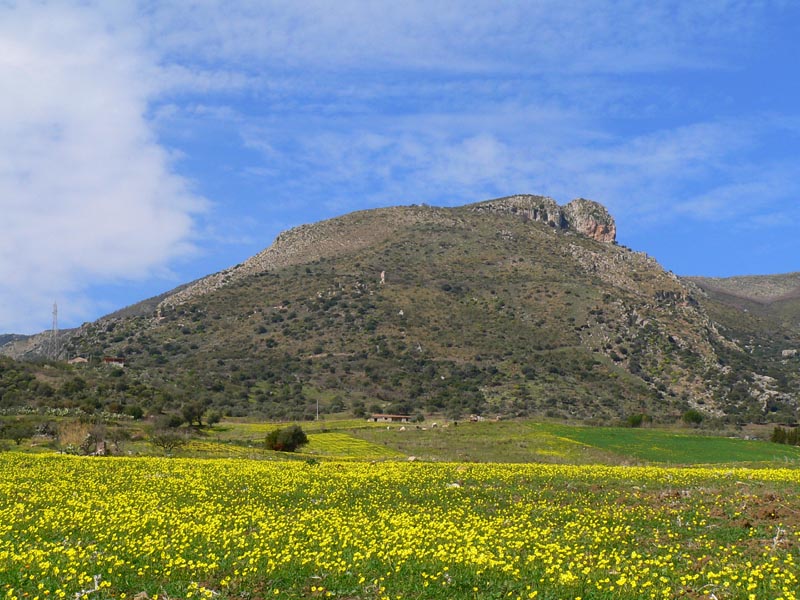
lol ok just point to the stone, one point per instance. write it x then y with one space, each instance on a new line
591 219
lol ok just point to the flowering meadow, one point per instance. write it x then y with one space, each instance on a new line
192 528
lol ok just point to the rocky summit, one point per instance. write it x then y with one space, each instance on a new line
513 306
586 217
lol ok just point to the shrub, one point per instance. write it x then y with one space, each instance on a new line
170 421
286 439
786 436
692 417
135 411
635 420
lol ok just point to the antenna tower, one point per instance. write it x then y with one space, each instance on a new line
54 332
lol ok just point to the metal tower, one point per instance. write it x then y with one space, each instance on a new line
54 333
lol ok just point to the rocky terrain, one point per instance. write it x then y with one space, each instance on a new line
513 306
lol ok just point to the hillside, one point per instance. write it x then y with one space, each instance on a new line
761 289
774 298
514 306
9 338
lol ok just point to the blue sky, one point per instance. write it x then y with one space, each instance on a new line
146 144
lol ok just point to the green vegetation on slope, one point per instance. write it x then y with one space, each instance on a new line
482 312
486 314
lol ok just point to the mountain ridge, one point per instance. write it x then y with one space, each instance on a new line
314 241
510 306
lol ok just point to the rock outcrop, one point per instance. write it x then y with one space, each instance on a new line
591 219
582 216
527 206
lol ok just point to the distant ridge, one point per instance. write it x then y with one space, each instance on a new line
764 289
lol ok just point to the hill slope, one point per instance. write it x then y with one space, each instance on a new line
513 306
775 298
762 313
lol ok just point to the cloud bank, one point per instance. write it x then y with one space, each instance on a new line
86 192
118 117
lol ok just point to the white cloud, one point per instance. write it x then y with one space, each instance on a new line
86 193
348 104
480 35
702 172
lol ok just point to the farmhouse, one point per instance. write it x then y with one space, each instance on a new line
378 418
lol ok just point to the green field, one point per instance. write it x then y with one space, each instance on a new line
528 441
514 441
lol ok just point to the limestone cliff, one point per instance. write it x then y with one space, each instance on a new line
582 216
591 219
527 206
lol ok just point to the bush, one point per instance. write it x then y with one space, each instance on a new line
170 421
135 411
638 420
692 417
287 439
786 436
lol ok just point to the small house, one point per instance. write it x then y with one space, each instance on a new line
380 418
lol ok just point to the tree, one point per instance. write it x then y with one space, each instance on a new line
167 440
18 431
213 417
193 411
287 439
358 408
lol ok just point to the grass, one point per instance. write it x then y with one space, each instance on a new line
664 446
528 441
518 441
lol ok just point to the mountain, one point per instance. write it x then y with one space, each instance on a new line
8 338
513 306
